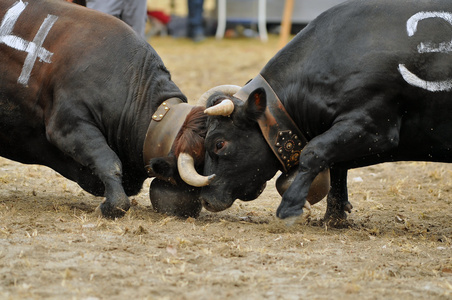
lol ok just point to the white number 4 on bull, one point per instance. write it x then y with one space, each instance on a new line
34 48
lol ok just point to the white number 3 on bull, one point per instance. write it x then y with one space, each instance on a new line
445 47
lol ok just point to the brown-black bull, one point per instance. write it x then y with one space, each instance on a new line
78 91
366 82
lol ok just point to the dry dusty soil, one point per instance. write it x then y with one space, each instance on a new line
398 245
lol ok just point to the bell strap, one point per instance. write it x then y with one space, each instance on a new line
279 130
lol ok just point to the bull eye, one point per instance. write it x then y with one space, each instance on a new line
219 145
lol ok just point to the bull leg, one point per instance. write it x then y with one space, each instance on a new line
86 144
337 200
345 141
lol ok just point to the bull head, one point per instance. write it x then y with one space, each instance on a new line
244 160
185 160
173 148
235 150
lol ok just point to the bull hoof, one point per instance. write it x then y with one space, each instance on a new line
348 207
336 222
284 212
111 212
337 217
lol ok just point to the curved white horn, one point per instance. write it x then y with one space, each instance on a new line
224 108
227 89
188 173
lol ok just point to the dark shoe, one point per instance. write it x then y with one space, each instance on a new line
198 38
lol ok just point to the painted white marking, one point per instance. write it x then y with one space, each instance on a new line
444 47
34 48
11 16
411 28
411 24
432 86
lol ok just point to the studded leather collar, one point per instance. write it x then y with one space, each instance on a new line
163 129
279 130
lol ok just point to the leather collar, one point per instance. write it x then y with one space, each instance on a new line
279 130
162 131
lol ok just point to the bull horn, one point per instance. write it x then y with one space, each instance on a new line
226 89
188 173
224 108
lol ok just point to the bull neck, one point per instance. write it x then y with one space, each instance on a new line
279 130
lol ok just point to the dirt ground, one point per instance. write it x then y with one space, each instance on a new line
398 245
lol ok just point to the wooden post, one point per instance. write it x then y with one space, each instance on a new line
286 24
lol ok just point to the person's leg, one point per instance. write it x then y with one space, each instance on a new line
135 14
195 20
111 7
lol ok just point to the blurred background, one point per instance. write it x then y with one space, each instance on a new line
230 56
240 13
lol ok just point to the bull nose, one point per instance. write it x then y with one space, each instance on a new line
207 205
213 206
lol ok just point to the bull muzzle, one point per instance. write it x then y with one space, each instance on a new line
215 205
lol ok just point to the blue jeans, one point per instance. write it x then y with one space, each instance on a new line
195 19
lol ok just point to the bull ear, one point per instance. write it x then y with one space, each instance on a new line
164 168
256 104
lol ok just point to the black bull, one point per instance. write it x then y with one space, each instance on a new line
78 90
366 82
